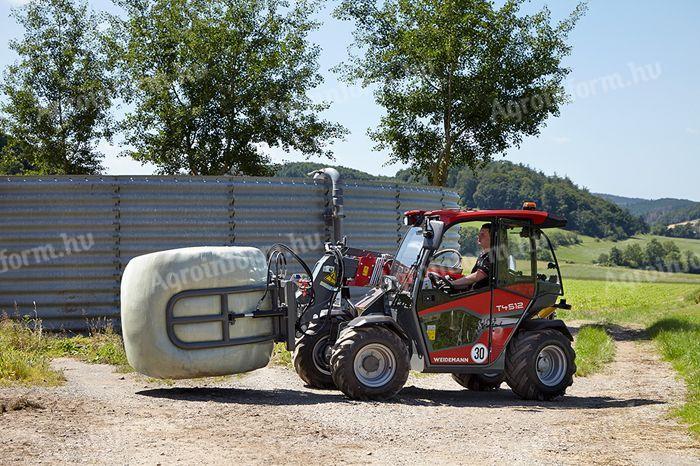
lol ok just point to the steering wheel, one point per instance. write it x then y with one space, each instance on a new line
444 252
439 282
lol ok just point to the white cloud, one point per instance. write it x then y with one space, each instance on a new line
694 131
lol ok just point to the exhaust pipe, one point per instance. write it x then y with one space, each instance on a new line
335 214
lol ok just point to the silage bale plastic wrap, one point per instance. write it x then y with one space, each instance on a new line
150 281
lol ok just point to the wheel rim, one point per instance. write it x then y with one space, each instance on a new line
551 365
374 365
322 356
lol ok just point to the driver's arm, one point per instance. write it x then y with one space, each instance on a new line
469 280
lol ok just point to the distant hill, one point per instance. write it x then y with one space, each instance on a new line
505 185
658 211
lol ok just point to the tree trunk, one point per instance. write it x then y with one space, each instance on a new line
442 167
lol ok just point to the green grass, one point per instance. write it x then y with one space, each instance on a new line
622 274
594 349
591 248
671 314
100 347
621 302
24 359
678 336
693 297
280 356
26 352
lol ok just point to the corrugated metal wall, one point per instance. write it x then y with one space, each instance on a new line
64 241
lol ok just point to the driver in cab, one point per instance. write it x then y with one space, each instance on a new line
479 276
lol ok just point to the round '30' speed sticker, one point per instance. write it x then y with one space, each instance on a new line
480 353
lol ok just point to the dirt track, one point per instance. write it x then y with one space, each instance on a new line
618 417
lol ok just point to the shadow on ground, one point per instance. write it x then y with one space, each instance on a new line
620 333
617 332
410 396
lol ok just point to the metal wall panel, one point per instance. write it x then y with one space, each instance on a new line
372 216
167 213
281 210
64 232
95 225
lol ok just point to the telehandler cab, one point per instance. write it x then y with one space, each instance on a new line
500 329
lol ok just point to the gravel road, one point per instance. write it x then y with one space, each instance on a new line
620 416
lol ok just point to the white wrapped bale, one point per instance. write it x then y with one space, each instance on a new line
173 332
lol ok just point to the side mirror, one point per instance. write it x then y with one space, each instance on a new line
552 266
432 234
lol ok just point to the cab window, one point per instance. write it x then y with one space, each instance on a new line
517 267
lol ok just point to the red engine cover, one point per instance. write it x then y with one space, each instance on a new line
370 270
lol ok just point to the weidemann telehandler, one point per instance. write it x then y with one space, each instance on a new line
416 315
415 318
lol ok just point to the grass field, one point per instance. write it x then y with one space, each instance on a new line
669 311
622 274
26 352
591 248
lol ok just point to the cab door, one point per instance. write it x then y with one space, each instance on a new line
515 281
456 326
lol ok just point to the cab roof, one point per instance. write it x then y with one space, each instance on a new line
452 216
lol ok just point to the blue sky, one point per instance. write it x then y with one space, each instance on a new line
632 128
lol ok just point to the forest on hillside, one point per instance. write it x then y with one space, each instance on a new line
505 185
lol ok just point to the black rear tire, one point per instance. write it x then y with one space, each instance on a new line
480 382
540 365
311 355
370 363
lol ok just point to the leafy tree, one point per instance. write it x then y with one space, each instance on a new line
58 95
616 257
461 80
655 252
563 238
673 253
688 212
212 81
688 230
13 159
666 257
692 262
468 240
634 256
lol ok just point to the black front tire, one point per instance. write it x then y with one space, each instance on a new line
529 375
384 353
310 357
480 382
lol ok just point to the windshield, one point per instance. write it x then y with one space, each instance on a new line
406 261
